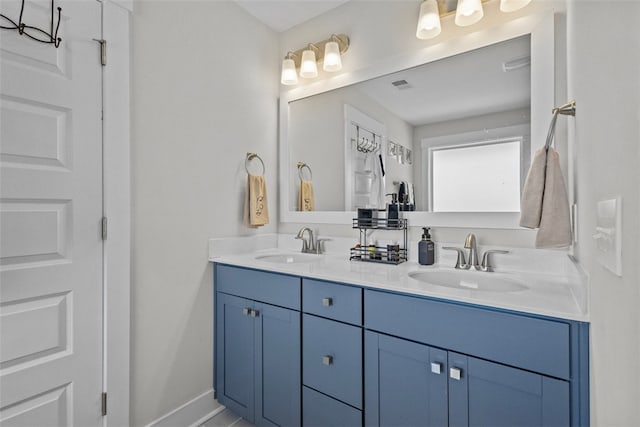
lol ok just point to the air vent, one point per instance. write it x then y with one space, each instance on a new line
401 84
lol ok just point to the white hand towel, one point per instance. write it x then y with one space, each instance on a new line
555 221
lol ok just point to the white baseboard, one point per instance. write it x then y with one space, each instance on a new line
191 414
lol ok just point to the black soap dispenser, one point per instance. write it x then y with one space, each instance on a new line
393 216
426 249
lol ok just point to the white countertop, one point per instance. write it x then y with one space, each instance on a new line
555 295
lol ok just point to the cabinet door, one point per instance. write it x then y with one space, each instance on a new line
235 354
484 393
277 366
405 383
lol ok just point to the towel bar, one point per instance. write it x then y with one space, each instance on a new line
251 156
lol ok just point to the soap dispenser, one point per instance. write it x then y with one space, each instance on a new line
426 249
393 216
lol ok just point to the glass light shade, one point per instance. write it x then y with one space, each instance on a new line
429 20
308 66
513 5
332 61
289 75
468 12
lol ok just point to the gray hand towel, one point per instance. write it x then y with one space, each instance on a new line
545 204
555 221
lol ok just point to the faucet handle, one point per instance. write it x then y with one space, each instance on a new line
486 265
320 244
460 262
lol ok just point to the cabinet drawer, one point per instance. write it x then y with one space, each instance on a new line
534 344
320 410
272 288
332 359
332 300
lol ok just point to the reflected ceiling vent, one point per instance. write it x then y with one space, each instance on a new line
401 84
516 64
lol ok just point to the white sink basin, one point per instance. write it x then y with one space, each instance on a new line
289 258
470 280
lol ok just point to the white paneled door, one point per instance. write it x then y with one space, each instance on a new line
50 216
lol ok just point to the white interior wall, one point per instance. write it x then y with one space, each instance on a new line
604 70
204 92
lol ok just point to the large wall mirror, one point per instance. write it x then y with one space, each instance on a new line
451 137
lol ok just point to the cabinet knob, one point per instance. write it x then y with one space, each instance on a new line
455 373
327 302
255 313
436 368
327 360
246 311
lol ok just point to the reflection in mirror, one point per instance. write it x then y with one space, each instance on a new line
478 98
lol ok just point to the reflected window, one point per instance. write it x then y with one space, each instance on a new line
476 177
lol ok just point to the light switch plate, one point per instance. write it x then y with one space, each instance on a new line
608 234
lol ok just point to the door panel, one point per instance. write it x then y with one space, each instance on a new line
235 337
277 366
403 388
492 394
50 211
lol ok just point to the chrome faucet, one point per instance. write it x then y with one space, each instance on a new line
470 243
308 245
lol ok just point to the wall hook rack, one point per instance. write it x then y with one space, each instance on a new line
32 32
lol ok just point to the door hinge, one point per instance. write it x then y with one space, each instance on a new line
103 51
104 228
104 404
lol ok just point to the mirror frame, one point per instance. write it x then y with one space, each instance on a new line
541 28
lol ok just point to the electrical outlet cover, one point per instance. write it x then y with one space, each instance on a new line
608 234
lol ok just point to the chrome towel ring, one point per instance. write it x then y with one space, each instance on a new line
251 156
302 165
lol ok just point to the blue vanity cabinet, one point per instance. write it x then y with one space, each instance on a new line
257 347
454 364
332 358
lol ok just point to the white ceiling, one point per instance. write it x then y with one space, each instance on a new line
465 85
280 15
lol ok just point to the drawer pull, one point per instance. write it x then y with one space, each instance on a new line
455 373
327 302
327 360
436 368
255 313
246 311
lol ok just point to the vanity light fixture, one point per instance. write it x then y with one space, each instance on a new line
328 51
429 20
467 12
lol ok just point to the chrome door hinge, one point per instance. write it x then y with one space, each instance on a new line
104 404
103 51
104 228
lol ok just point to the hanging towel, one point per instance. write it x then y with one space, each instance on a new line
256 206
545 204
305 196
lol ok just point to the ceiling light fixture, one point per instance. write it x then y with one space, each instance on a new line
467 12
328 51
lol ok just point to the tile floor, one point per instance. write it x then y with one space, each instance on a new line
226 418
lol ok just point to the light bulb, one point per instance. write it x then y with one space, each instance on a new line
513 5
308 67
468 12
332 61
289 75
429 20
